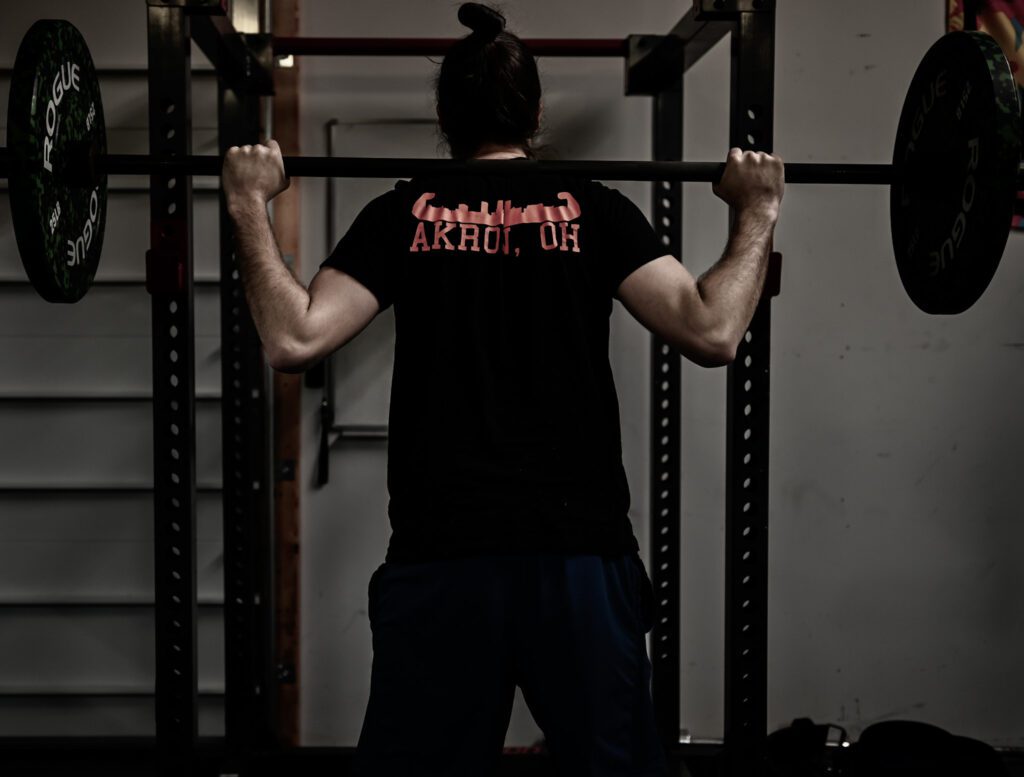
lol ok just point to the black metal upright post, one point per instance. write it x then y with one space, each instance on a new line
169 281
665 510
746 606
245 427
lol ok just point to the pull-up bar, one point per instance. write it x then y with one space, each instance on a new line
430 47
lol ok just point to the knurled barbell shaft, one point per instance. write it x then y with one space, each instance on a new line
366 167
369 167
389 167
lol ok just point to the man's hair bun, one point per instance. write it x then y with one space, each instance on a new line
482 20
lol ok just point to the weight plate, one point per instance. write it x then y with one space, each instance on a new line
55 134
955 172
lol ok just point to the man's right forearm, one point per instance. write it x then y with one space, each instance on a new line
732 287
277 301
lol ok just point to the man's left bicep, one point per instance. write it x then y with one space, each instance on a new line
663 296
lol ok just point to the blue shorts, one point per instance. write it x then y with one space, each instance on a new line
452 639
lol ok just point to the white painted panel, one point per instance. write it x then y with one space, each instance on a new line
94 366
98 346
94 443
94 547
96 717
96 650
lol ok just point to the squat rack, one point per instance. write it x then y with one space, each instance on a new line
654 65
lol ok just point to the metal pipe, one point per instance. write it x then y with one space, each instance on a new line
361 432
389 167
438 47
368 167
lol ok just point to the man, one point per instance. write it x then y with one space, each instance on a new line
512 560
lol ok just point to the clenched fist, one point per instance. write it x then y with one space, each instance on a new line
752 180
253 173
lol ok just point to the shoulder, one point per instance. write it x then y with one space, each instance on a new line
605 195
388 203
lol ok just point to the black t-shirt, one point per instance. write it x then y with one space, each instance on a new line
504 424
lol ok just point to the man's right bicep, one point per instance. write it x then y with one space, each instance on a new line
340 307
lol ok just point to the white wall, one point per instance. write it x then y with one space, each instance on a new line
895 435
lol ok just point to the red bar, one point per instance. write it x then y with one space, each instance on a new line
436 47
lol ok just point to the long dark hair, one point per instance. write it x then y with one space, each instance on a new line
488 88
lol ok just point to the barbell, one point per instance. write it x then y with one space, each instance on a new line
953 180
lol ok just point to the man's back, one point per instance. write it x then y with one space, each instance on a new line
504 418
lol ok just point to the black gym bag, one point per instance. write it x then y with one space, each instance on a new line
894 748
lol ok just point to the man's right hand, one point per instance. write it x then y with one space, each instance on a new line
754 181
253 174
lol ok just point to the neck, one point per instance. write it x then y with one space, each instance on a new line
490 151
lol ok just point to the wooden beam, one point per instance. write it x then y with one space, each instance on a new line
287 407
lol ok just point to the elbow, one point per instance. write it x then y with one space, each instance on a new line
717 358
716 350
289 357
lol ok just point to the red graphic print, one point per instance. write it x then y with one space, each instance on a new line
464 225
